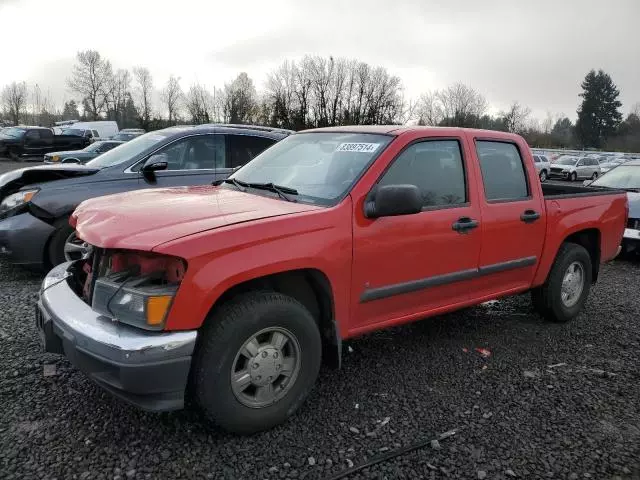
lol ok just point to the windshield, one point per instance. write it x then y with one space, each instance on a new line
13 132
321 166
623 176
93 147
127 151
124 136
72 131
566 161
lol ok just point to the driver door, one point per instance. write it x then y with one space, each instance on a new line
408 266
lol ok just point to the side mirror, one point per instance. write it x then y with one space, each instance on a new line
155 163
392 200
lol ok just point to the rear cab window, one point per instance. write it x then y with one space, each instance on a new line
503 172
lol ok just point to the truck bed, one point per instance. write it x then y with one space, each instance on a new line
553 190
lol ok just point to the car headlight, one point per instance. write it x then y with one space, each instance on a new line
140 301
17 199
55 158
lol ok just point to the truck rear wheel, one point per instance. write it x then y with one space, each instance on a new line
567 287
256 361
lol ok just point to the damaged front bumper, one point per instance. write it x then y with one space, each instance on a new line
147 369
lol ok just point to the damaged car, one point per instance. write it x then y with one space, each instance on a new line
36 202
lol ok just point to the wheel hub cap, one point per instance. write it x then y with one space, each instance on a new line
266 367
572 284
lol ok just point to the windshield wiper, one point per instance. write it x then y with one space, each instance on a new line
239 185
282 191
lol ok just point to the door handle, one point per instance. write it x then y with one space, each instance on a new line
529 216
464 224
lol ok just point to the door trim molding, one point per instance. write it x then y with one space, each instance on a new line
387 291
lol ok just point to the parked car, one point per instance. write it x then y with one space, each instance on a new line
569 167
608 165
542 165
244 286
81 156
22 142
35 203
626 177
90 135
100 129
126 136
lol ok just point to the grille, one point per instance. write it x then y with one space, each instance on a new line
556 170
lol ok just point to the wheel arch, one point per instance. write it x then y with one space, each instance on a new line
309 286
588 238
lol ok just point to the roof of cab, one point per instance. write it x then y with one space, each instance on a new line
396 130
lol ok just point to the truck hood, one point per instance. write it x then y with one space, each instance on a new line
13 181
634 204
144 219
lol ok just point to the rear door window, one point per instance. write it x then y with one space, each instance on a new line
503 172
243 148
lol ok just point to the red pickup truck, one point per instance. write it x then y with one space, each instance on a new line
235 292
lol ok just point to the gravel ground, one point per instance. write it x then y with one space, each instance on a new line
551 401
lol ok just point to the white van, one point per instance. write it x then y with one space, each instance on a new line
105 128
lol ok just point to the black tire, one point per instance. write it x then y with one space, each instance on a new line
594 176
14 156
573 177
543 176
547 299
55 250
222 337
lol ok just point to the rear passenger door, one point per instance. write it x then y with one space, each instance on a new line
513 221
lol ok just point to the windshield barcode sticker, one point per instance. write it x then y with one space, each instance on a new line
358 147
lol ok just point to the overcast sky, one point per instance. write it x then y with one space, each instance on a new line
536 52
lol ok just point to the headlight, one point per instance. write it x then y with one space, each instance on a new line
17 199
55 158
140 301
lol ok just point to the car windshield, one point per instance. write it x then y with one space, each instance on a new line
124 136
72 131
127 151
321 166
623 176
93 147
566 161
13 132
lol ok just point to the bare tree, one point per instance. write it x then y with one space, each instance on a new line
516 118
172 95
14 100
119 90
144 91
635 109
429 109
280 95
462 106
201 104
91 79
239 104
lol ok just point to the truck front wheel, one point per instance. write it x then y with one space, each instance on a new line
256 361
567 287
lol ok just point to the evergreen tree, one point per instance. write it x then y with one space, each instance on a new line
70 111
598 115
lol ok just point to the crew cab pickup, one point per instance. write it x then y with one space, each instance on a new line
23 142
239 289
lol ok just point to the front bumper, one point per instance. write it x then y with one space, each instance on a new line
553 174
23 238
147 369
631 240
